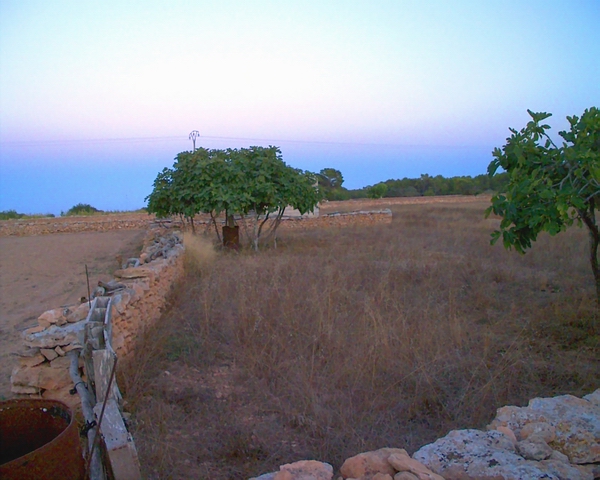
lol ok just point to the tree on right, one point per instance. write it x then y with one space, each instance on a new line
551 187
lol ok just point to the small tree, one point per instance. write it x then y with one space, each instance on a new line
550 187
251 182
377 191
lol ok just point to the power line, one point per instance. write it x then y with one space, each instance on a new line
65 142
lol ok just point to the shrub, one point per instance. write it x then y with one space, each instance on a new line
9 215
81 209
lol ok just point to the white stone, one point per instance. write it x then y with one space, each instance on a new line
472 454
534 450
576 422
56 336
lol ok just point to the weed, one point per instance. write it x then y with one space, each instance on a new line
199 252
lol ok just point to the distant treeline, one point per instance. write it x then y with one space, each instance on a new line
425 185
14 215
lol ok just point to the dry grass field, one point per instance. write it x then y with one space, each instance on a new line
347 340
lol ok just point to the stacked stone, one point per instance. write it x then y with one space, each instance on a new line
552 438
141 303
42 365
93 223
362 218
42 368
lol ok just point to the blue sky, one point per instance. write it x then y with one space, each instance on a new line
97 97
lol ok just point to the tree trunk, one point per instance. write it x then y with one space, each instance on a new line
258 231
214 221
594 242
273 231
589 218
230 221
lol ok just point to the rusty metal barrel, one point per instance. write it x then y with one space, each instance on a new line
39 439
231 237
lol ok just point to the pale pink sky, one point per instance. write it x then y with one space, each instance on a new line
418 73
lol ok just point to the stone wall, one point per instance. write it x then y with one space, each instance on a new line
90 223
139 292
551 438
140 221
144 299
339 220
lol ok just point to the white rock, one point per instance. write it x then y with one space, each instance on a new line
534 450
542 430
576 422
472 454
593 397
56 336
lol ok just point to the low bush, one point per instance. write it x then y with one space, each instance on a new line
13 215
10 215
81 209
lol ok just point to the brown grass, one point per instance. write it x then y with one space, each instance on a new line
346 340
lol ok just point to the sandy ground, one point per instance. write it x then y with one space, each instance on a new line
38 273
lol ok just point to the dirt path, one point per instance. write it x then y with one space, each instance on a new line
38 273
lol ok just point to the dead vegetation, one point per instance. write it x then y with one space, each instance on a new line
346 340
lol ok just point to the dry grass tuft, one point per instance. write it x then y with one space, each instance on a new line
200 252
346 340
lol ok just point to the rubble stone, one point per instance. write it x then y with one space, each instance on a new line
370 463
405 476
32 361
403 463
534 450
305 470
576 422
55 336
49 353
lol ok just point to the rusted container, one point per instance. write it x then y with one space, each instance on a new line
231 237
39 440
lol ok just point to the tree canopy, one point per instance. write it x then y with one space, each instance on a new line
377 191
550 186
424 185
330 183
251 182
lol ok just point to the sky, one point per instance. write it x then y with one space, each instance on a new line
97 97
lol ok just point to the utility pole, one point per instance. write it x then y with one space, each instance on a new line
193 136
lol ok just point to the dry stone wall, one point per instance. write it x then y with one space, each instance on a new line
91 223
141 221
339 220
139 293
